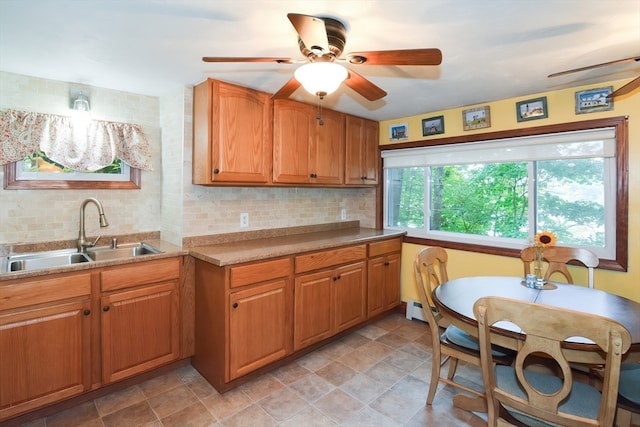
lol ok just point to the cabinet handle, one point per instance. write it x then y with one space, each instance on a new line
364 178
106 308
235 305
386 263
216 171
86 312
336 277
313 175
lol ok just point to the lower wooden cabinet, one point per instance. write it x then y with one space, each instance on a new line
251 315
243 318
45 356
330 293
139 330
45 339
259 326
140 318
384 276
49 324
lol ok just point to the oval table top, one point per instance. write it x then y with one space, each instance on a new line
456 298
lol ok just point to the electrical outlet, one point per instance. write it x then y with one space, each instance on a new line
343 214
244 220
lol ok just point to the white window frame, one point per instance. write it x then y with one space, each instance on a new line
614 253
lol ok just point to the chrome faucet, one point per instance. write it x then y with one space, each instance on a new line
82 238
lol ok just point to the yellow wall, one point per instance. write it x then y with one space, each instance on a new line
561 108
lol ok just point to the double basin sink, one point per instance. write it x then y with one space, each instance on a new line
48 259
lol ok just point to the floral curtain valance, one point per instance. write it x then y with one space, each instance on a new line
83 146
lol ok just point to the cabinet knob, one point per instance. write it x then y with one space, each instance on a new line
364 178
86 312
235 305
313 175
216 171
386 263
106 308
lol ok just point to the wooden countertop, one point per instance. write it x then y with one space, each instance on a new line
258 249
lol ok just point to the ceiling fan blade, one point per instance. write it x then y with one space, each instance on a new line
364 87
235 59
629 87
589 67
287 90
397 57
311 30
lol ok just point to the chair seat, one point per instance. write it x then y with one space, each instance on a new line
629 387
460 338
584 400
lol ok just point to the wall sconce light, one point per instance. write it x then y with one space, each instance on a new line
80 103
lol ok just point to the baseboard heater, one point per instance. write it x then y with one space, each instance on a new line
414 310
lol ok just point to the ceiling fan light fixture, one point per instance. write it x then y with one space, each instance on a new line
321 77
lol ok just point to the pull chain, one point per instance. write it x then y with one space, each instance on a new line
319 114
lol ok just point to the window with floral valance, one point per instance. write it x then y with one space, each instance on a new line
84 146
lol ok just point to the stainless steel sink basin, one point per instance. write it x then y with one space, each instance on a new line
122 251
40 260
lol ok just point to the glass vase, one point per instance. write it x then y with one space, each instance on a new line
538 262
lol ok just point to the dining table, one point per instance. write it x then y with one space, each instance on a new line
455 299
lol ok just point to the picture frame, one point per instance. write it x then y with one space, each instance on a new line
476 118
594 100
532 109
433 126
399 132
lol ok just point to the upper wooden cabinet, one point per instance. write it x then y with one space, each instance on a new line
304 151
361 151
232 134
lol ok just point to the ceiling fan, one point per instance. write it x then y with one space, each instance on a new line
628 88
321 41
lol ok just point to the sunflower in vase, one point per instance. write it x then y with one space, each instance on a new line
542 240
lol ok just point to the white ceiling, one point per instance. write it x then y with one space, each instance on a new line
492 49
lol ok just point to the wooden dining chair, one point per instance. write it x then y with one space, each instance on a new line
519 395
449 343
628 393
557 258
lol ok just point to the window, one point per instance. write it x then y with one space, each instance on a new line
494 195
39 167
37 171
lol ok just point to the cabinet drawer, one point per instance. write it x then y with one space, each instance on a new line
324 259
127 275
255 273
385 247
47 290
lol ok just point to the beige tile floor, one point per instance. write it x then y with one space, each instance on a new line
376 376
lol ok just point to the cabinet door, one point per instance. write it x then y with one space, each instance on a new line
293 128
259 327
327 149
313 316
392 281
45 356
376 287
384 284
232 134
361 151
349 295
140 330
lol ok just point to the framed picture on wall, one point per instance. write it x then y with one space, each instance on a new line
433 126
476 118
593 100
532 109
399 132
